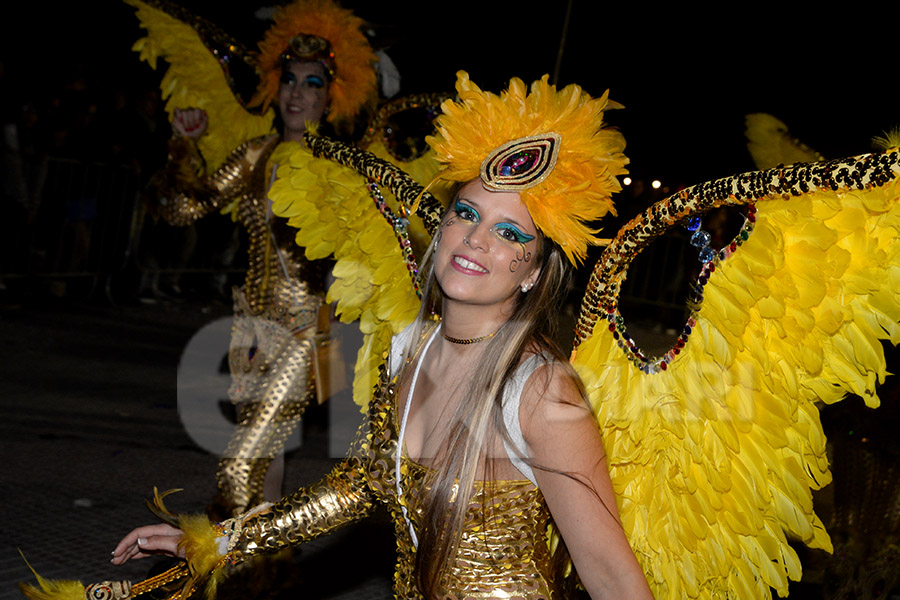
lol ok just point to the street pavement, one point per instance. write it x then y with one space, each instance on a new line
89 424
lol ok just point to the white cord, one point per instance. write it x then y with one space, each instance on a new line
397 456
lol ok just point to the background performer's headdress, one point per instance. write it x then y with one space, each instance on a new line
319 30
550 146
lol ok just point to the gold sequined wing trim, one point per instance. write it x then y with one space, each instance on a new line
715 445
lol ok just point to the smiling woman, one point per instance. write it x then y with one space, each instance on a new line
489 410
479 437
484 240
316 66
302 97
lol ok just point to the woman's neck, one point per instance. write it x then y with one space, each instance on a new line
467 322
293 135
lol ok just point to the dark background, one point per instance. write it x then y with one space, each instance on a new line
686 76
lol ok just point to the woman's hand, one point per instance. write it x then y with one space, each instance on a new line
190 122
149 540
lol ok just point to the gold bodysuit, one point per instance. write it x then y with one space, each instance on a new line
276 310
503 552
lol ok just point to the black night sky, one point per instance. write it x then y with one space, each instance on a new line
686 77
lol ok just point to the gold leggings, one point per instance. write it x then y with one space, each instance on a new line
272 381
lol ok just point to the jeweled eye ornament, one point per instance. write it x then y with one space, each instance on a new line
522 163
513 141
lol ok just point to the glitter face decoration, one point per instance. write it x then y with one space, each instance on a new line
507 232
521 256
522 163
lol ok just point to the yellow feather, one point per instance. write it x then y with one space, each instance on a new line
194 79
199 544
48 589
335 216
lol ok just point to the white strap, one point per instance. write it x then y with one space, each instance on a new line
399 451
512 396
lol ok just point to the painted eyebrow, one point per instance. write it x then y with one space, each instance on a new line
506 220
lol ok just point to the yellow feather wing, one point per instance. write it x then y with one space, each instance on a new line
715 447
195 78
335 215
771 144
422 169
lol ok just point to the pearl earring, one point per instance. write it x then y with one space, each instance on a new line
526 287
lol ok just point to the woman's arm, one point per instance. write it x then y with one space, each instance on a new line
186 193
564 439
341 497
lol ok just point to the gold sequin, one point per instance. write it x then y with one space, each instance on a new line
270 356
503 552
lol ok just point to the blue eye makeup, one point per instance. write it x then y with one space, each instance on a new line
311 81
510 232
505 231
466 212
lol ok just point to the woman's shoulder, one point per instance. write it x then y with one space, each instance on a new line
548 380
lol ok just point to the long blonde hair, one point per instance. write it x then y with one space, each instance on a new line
532 325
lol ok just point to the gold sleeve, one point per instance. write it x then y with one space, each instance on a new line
187 194
342 497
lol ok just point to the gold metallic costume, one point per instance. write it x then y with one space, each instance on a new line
503 551
273 339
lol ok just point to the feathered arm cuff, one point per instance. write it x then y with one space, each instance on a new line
342 497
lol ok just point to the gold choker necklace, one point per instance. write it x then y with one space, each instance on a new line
454 340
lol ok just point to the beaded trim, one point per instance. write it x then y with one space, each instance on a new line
522 163
309 47
601 296
230 528
400 226
175 573
711 259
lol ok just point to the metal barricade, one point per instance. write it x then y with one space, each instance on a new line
80 226
87 232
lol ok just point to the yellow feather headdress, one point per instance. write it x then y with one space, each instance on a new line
551 146
353 83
